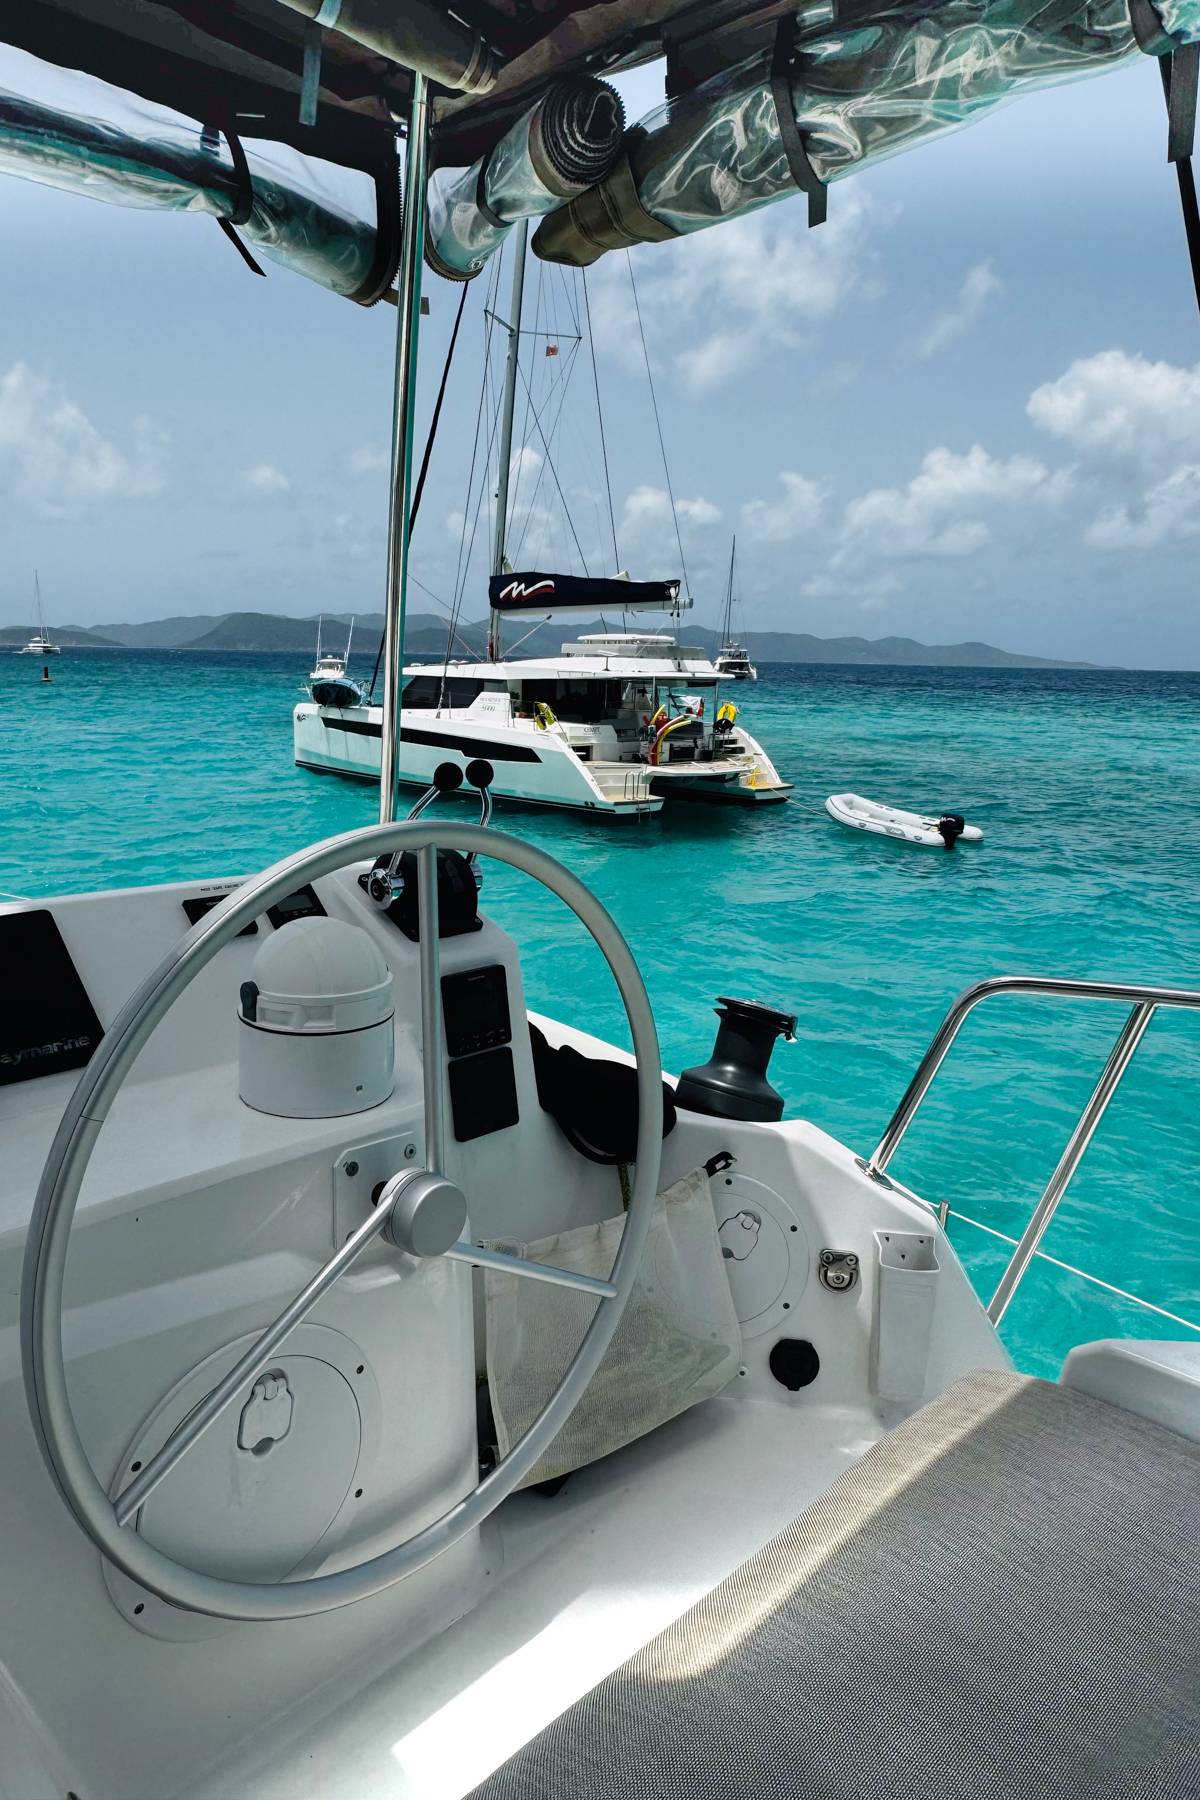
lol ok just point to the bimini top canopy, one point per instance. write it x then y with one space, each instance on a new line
764 99
532 593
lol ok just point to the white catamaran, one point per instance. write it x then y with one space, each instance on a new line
616 724
41 643
405 1395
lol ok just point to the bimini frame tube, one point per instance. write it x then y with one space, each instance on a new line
408 313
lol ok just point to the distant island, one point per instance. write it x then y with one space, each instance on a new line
425 635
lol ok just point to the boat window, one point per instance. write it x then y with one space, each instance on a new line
425 692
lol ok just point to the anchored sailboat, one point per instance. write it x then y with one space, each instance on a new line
40 644
615 723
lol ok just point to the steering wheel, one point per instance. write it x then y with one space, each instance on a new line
420 1213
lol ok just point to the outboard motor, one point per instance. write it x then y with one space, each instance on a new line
733 1083
950 828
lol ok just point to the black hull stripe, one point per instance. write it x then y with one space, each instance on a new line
439 740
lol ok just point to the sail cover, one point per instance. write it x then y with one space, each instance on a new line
561 146
856 93
530 593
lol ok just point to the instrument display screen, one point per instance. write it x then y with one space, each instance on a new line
475 1009
47 1022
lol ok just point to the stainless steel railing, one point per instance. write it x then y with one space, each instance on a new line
1143 1001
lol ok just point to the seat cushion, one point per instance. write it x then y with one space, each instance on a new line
1000 1600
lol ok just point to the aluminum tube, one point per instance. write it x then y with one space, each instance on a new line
1047 985
419 35
408 310
431 1010
532 1271
1132 1033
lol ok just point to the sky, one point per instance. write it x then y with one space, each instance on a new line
967 407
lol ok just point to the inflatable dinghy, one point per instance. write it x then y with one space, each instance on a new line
940 832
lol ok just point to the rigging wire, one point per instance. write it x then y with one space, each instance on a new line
658 426
612 518
560 387
415 505
463 563
558 484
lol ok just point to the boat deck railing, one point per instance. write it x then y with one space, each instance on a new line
1144 1002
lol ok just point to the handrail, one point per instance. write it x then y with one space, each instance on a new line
1144 1002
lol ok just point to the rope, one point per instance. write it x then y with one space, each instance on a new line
687 586
415 508
554 472
600 415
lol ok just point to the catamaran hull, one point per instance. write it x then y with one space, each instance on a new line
531 767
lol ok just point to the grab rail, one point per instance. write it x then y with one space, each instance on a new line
1144 1003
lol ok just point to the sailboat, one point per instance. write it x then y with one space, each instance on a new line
615 724
733 658
40 644
329 684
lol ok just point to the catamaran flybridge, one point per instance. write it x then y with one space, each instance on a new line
404 1394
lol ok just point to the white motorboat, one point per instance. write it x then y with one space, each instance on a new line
41 643
733 658
329 685
936 831
610 726
405 1395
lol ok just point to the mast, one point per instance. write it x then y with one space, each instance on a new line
349 641
506 423
408 309
729 593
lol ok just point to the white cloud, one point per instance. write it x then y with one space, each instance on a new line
265 478
795 514
1114 405
652 506
1169 510
979 286
937 513
765 277
53 459
367 458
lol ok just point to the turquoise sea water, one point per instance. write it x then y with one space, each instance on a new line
156 766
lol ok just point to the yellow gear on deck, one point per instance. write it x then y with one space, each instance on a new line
726 713
543 718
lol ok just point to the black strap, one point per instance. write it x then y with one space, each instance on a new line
241 249
802 171
481 200
244 205
1180 82
388 221
1187 189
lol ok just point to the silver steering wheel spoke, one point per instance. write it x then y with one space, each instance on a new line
480 1258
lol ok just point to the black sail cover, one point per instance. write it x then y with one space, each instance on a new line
529 592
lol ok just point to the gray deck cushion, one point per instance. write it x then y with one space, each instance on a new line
999 1602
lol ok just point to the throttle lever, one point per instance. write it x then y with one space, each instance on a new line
480 775
380 884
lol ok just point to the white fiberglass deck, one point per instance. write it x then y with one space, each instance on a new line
581 1580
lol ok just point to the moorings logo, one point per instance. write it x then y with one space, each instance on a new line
13 1059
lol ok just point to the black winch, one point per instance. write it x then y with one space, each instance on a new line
733 1083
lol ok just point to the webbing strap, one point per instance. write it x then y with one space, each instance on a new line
481 201
310 80
1181 86
1187 190
802 171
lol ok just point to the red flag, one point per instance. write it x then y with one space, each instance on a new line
551 349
